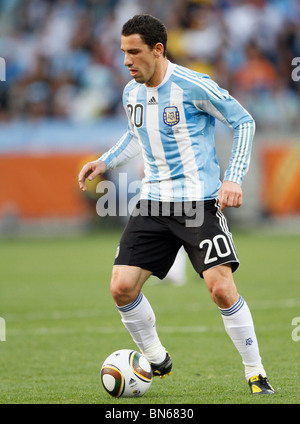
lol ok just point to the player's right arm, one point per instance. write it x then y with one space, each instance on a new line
90 171
126 148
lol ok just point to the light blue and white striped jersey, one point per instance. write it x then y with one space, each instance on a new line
173 126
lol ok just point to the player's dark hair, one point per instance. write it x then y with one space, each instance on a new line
151 30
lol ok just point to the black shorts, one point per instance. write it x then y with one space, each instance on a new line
156 231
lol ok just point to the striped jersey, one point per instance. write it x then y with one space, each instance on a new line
172 125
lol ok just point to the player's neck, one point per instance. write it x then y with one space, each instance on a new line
159 74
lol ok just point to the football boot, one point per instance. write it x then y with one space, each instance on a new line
260 385
162 369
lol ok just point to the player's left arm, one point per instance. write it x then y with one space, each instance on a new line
230 193
220 104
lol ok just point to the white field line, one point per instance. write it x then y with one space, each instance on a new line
52 315
44 331
94 313
58 331
88 313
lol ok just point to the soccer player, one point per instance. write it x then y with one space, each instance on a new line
171 114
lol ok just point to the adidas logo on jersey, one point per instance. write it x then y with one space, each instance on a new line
152 101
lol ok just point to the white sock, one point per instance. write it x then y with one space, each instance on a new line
177 272
239 326
139 320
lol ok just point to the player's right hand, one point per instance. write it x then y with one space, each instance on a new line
90 170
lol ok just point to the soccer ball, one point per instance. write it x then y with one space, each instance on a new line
126 373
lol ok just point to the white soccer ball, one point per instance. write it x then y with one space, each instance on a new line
126 373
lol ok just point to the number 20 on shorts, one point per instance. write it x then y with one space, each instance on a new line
215 242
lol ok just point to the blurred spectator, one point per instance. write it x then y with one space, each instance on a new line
63 57
256 74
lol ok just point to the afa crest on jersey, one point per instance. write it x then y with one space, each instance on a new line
171 115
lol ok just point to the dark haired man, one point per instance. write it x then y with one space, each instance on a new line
171 115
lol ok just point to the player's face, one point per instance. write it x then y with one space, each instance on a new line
140 59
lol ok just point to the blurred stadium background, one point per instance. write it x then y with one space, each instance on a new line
60 105
60 102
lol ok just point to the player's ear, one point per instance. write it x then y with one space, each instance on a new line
158 50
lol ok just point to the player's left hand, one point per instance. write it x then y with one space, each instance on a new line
230 195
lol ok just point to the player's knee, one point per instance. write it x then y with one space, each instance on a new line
223 291
121 288
220 293
221 286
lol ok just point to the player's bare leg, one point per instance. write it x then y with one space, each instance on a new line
138 316
221 286
127 282
238 325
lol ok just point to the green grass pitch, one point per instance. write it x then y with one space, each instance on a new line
61 323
